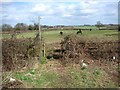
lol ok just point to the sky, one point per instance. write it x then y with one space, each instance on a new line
54 12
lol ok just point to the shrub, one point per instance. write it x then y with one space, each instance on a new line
77 48
18 53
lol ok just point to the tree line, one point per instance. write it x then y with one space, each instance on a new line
23 26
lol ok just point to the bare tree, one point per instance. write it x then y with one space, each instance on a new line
21 26
6 27
99 24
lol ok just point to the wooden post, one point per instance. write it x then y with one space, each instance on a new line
40 36
44 50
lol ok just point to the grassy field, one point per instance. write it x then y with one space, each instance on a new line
55 36
87 27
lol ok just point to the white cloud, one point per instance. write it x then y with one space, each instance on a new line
43 8
57 0
29 1
61 7
39 8
66 15
66 10
17 18
11 17
84 11
6 0
54 9
72 7
89 10
91 6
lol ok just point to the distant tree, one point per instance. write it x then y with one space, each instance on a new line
99 24
6 27
36 27
31 27
44 26
21 26
87 25
111 24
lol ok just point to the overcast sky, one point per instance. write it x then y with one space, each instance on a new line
52 12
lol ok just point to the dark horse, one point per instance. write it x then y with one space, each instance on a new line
80 31
61 33
90 29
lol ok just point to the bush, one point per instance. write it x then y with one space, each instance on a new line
77 48
19 53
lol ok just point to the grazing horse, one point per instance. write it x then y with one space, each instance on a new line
80 31
61 33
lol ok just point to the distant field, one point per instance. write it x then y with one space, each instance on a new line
55 36
87 27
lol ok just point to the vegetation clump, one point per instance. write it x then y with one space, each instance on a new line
78 48
19 53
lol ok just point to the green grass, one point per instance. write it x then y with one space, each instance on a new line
5 36
54 36
99 32
27 35
90 78
33 78
46 76
87 27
